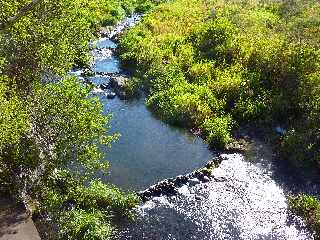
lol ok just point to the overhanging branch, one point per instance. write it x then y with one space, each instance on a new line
20 13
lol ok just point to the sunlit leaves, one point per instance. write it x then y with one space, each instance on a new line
51 127
14 121
254 57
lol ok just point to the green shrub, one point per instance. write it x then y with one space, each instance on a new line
258 61
293 147
86 212
213 40
307 207
143 6
102 196
88 225
133 87
217 131
185 104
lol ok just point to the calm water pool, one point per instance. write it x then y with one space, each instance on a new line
148 150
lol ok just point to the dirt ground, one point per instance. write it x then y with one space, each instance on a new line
15 224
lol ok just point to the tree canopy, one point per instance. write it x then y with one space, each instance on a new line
51 127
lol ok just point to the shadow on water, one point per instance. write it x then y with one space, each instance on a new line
292 180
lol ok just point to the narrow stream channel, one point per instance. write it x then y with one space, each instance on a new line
243 200
148 150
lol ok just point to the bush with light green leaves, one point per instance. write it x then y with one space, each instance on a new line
258 59
307 207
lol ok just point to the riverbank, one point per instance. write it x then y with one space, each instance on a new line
16 222
169 187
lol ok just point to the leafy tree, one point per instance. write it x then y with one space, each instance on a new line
51 125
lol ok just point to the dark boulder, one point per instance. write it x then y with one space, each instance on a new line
105 86
193 182
110 95
119 84
87 72
180 180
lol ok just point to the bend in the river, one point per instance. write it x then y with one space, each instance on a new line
243 200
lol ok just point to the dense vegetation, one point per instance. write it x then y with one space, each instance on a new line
211 65
309 208
50 125
216 65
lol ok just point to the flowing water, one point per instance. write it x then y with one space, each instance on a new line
244 200
148 149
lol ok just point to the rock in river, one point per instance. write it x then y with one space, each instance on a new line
110 95
119 83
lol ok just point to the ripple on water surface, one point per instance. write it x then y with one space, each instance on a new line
243 202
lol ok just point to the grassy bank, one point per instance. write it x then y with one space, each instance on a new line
217 65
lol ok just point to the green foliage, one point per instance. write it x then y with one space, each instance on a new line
213 40
50 125
43 41
64 140
13 120
185 104
74 131
101 196
218 130
14 124
87 225
107 13
308 207
86 212
258 61
133 87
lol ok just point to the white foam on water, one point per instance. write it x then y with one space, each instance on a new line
243 203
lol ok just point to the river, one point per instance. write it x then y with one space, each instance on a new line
148 149
243 200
